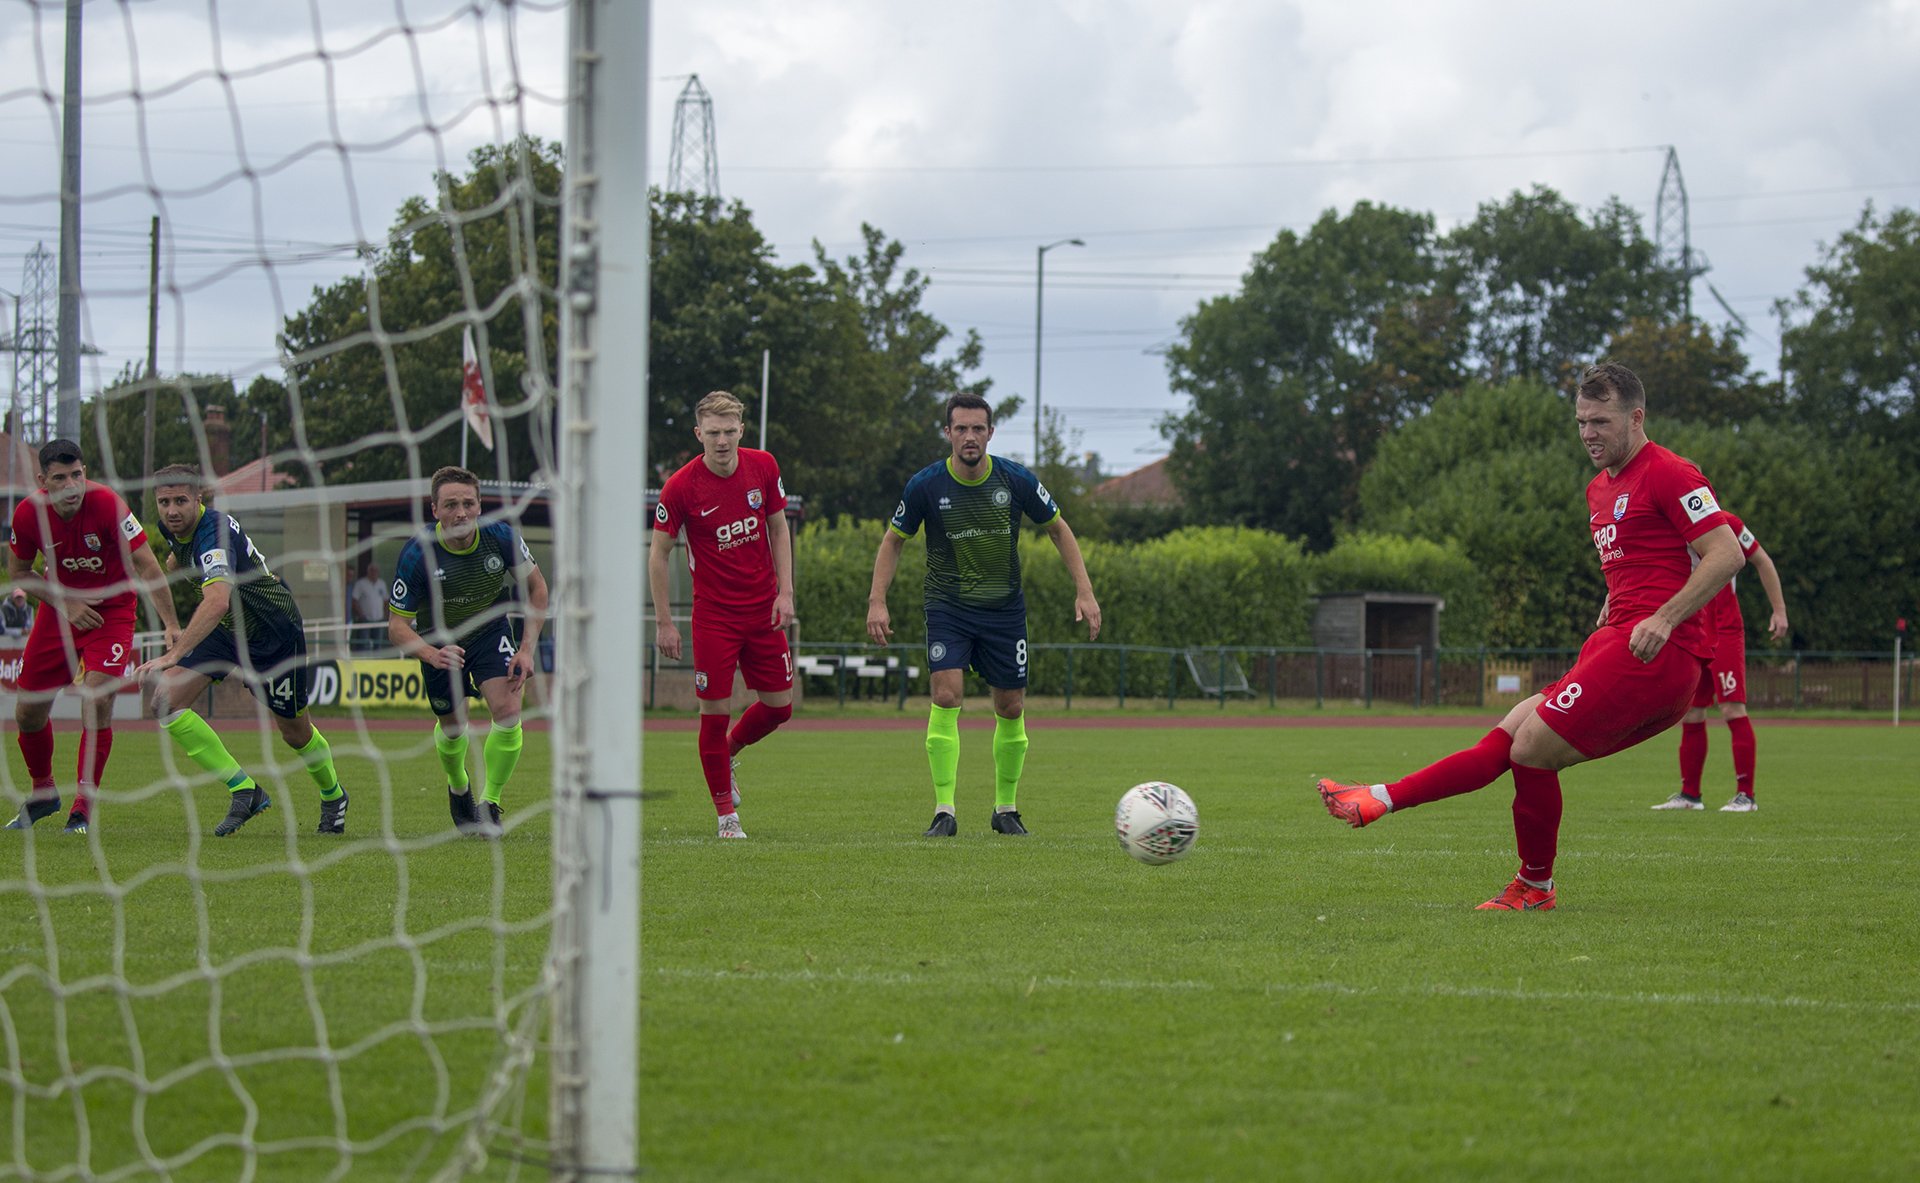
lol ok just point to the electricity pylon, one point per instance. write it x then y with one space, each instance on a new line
1672 237
694 164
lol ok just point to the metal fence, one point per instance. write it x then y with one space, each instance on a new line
1476 678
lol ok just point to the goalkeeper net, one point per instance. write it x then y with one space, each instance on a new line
320 251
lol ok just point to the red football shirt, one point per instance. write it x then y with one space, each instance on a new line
1642 521
89 552
1724 608
726 523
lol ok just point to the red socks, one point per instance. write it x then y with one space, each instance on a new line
1536 821
756 723
89 778
36 747
1693 756
716 763
1742 730
1463 772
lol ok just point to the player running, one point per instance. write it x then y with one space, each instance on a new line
733 506
1726 683
247 624
467 579
1636 674
976 613
96 556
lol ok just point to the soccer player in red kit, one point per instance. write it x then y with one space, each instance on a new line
96 556
732 505
1636 674
1726 683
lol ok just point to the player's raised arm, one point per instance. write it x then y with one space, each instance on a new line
885 563
1085 607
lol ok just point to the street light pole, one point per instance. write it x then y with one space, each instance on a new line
1039 307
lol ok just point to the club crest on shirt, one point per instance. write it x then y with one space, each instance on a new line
493 564
754 499
92 541
1001 497
1620 507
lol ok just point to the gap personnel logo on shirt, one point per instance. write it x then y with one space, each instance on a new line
493 564
1620 507
1700 503
1001 497
92 541
754 499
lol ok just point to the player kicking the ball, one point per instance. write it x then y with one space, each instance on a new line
733 507
467 578
1636 675
971 503
1726 683
96 555
246 624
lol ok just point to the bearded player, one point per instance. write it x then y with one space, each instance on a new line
1636 675
1726 684
247 624
972 503
731 503
91 542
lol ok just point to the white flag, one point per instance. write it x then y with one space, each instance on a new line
473 394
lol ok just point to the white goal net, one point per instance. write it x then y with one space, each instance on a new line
319 252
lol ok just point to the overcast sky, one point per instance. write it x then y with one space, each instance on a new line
1176 139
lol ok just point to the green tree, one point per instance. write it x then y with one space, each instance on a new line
1855 357
380 352
114 424
1691 374
1545 287
1333 339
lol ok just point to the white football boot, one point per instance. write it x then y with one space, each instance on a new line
1680 801
1741 803
730 827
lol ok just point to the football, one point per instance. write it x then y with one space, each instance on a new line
1156 822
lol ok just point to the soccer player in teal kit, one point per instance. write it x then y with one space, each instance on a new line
972 503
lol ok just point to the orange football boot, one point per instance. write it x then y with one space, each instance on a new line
1520 896
1353 804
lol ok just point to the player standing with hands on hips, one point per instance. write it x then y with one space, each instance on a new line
731 503
972 503
96 556
1636 675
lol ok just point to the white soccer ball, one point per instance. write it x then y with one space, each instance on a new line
1156 822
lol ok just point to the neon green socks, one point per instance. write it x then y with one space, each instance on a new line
1009 758
502 751
943 753
318 757
204 748
453 756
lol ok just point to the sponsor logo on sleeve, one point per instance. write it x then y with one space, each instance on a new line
399 591
1700 503
660 513
1747 540
129 528
526 552
900 514
780 487
1045 497
1620 507
213 561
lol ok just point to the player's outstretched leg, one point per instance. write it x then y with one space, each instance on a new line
36 748
943 761
246 798
1463 772
1009 761
1740 729
717 766
452 750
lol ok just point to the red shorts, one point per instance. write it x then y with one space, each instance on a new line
1611 700
749 640
45 665
1726 679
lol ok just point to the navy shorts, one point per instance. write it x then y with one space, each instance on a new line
277 651
489 652
992 642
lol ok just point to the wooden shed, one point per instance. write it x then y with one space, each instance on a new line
1379 620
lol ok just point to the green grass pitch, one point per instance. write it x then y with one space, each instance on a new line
1716 997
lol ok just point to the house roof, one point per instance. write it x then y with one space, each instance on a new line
1149 485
